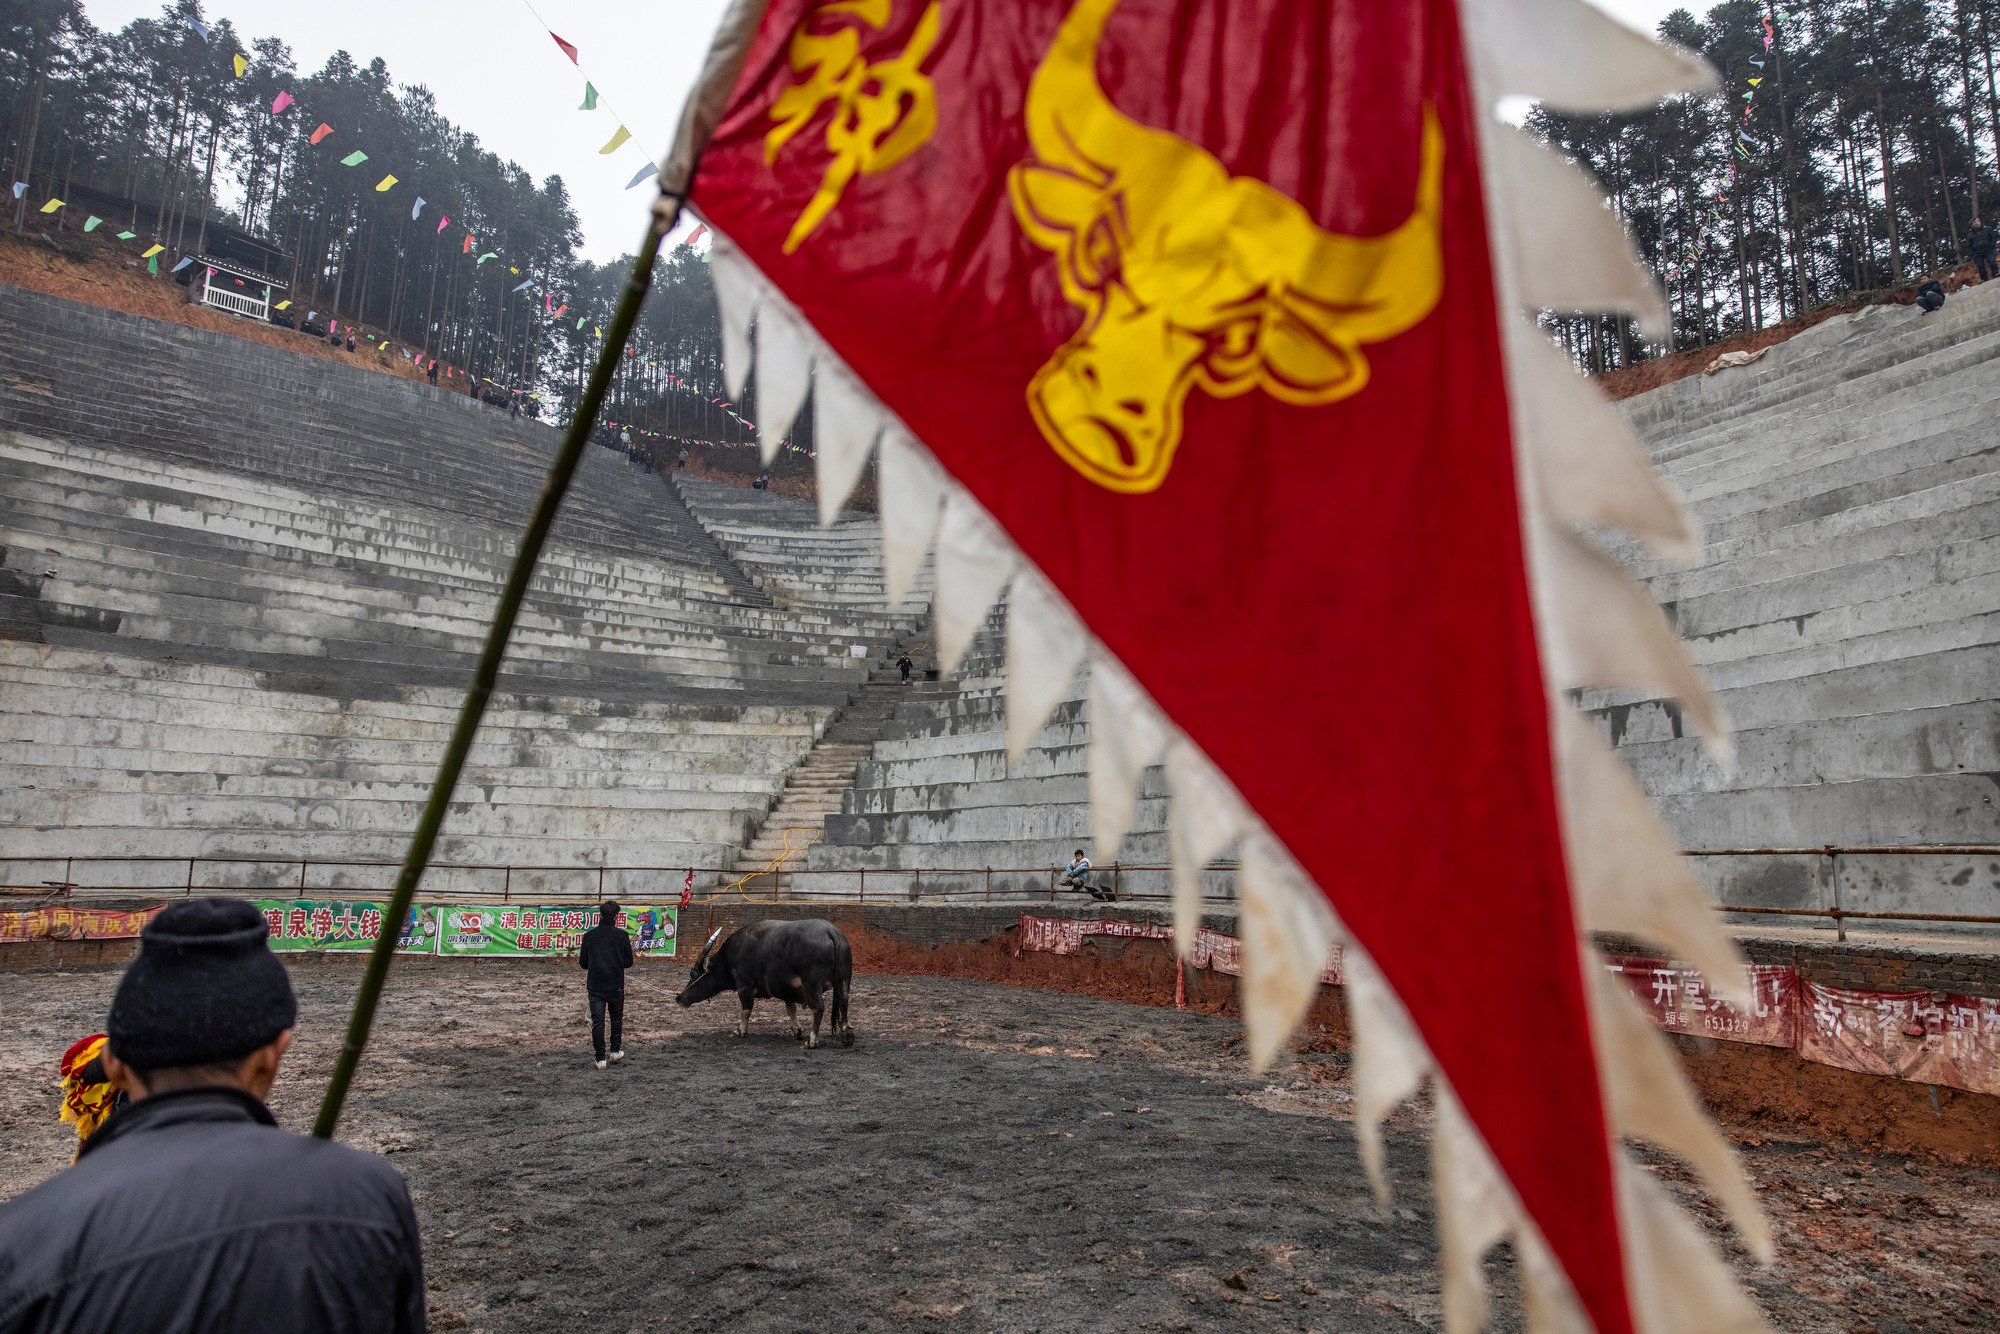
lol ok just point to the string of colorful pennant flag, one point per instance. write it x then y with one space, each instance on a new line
285 101
1742 143
593 98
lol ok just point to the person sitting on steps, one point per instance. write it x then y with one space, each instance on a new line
1077 876
1930 295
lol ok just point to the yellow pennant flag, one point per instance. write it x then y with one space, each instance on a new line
154 251
616 139
52 206
242 63
284 305
384 184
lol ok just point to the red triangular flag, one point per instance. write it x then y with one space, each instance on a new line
568 50
467 249
1148 421
321 133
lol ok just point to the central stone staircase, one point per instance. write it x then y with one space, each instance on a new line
816 788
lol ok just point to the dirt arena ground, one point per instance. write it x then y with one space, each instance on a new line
987 1156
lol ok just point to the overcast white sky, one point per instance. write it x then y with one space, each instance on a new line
496 73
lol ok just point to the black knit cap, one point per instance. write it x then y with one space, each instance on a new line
205 989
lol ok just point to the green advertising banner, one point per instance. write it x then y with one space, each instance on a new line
344 924
505 930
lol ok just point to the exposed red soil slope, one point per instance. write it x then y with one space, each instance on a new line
1630 380
106 273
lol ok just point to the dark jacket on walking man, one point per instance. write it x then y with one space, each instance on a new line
190 1210
605 955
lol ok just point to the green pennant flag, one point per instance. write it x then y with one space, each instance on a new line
589 97
90 225
153 266
354 159
491 254
126 236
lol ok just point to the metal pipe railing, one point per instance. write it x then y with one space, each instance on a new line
292 880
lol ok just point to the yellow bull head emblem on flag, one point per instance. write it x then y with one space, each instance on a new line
1187 275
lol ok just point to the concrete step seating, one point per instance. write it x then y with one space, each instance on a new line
83 375
184 759
182 563
241 592
1846 610
817 788
780 542
937 793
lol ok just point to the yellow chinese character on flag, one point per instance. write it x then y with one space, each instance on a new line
882 110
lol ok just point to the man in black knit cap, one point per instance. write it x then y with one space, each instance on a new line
605 955
189 1210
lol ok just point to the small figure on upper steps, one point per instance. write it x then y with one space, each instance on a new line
903 665
763 482
683 462
1979 244
1930 295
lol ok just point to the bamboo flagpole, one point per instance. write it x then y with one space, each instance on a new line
487 673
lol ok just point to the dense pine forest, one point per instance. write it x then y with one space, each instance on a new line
1848 149
1870 143
158 114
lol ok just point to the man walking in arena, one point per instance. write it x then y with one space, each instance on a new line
604 957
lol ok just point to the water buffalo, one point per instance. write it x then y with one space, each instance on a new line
795 962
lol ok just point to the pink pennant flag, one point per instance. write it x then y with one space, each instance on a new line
333 326
548 302
280 102
567 49
443 220
321 133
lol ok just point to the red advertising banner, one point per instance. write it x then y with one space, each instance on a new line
1064 935
1216 951
1680 1002
1927 1037
48 923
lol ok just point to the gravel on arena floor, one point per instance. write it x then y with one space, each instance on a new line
994 1157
